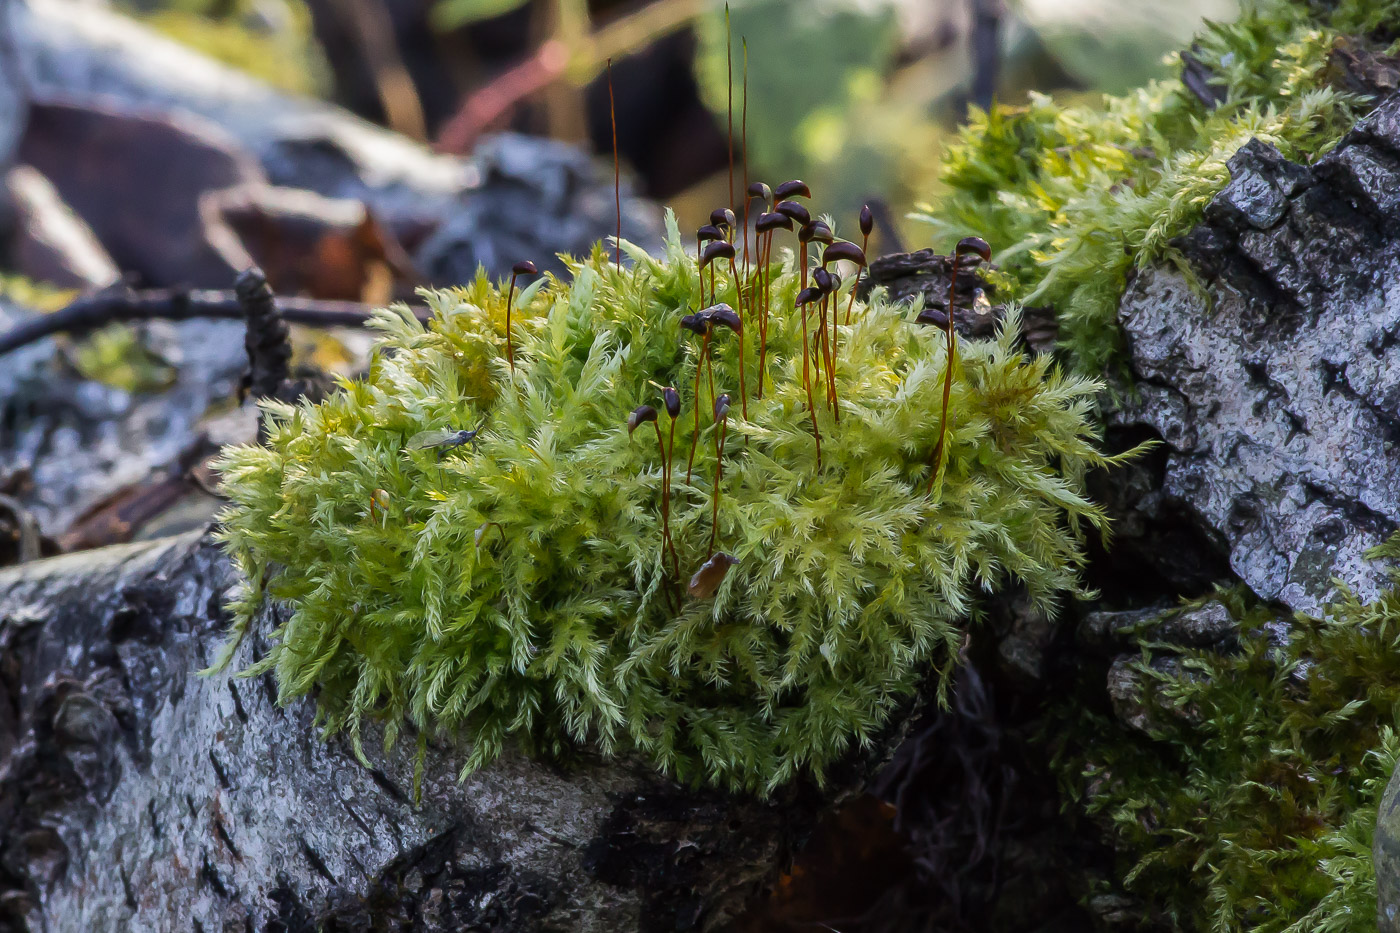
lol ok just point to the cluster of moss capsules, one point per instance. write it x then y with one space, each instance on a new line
524 584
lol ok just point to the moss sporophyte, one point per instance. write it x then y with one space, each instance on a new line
529 583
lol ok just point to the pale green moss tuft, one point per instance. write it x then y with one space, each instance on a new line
556 628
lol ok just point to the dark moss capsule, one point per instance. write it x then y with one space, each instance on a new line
772 221
722 407
719 249
932 316
524 267
797 188
974 245
673 401
824 280
725 316
711 574
867 220
818 232
709 232
723 217
808 295
843 250
697 324
761 191
640 416
796 211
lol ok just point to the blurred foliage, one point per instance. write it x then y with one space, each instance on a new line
28 293
1250 805
449 14
117 356
269 39
833 99
816 78
1113 46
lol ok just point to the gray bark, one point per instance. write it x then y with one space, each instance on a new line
137 794
1386 858
1276 387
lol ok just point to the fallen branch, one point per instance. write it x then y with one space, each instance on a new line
218 801
123 306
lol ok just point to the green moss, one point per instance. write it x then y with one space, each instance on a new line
555 626
28 293
1073 197
1251 807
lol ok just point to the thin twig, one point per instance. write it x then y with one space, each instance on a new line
113 306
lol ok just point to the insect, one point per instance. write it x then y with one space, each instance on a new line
443 440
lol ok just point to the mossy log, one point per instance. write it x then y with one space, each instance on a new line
137 794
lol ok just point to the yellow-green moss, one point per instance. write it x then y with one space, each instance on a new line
554 627
1072 197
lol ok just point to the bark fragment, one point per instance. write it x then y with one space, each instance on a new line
1275 380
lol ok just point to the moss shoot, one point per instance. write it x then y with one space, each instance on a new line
1252 804
524 585
1075 196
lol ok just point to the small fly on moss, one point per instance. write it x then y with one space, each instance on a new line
442 440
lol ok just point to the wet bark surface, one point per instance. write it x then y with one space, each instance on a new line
1274 379
136 793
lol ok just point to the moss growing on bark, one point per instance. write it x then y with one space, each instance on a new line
1251 803
1075 196
518 587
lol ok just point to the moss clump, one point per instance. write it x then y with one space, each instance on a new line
1075 196
558 624
1251 807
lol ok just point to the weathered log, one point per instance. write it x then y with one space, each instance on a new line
137 794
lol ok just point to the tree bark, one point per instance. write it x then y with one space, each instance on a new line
1274 380
136 793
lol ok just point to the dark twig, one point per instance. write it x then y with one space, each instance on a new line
985 39
1197 78
267 339
114 306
